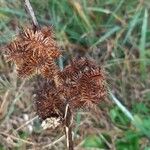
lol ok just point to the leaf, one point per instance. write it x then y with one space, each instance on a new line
93 142
132 25
107 35
130 141
118 117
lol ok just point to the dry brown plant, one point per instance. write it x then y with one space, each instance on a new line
59 92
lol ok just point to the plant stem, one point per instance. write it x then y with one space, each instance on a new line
29 9
68 127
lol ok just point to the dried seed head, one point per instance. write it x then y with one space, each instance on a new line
47 100
84 83
34 52
92 87
51 123
49 69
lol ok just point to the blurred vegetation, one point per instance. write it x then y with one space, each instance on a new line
116 33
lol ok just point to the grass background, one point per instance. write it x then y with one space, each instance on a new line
116 33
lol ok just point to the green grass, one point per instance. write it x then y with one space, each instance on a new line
116 33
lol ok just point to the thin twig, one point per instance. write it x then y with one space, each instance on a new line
26 123
4 106
54 142
18 139
4 103
31 12
19 90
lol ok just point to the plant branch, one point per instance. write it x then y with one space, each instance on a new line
30 11
54 142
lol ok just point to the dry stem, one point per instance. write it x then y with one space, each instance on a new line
68 127
31 12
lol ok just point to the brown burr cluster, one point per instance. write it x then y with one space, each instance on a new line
34 52
83 83
80 84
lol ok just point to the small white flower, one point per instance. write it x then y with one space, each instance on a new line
50 123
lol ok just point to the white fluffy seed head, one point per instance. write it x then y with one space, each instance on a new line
50 123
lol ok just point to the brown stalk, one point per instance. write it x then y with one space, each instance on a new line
29 9
68 117
68 127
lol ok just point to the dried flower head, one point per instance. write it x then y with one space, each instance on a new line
84 83
34 52
46 100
